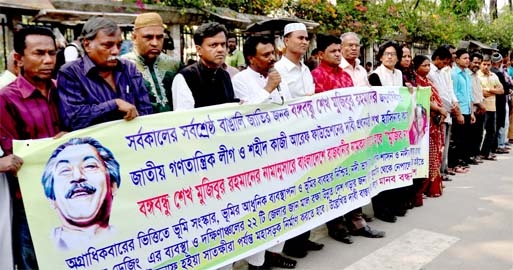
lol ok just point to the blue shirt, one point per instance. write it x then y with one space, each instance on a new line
87 99
462 85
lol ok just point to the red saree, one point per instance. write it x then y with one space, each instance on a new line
436 142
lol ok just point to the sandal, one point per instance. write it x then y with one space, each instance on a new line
450 171
490 157
459 169
277 260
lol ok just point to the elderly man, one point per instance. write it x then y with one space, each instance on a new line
100 87
80 180
299 80
158 69
351 64
205 83
28 110
260 83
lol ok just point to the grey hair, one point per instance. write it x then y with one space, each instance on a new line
349 34
95 25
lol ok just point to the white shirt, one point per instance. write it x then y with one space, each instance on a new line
182 95
444 86
358 73
71 53
6 256
389 77
298 79
248 85
6 78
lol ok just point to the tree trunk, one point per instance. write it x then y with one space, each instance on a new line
493 9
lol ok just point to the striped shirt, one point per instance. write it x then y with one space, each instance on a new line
26 113
87 99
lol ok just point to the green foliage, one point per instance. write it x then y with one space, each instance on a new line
375 20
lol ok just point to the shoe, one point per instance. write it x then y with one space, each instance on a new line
387 217
368 232
311 245
471 161
446 178
254 267
341 236
277 260
400 212
296 252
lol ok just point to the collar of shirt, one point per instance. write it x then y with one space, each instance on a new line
334 70
457 69
232 53
255 74
290 66
26 88
434 68
142 60
344 64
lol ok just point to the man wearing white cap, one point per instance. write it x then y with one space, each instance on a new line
292 69
158 69
300 82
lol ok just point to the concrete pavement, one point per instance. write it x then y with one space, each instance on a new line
469 227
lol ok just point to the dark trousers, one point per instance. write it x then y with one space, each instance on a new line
23 249
461 140
298 242
489 140
477 134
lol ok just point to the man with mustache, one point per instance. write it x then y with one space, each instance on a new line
158 69
100 87
28 110
257 84
205 83
80 181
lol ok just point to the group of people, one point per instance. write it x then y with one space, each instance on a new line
101 86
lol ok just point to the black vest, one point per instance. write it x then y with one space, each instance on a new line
208 86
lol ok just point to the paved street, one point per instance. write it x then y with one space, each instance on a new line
469 227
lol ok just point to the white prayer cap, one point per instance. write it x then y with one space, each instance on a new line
291 27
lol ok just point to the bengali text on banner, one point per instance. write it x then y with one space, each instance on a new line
203 188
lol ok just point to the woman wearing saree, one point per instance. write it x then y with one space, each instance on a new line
432 187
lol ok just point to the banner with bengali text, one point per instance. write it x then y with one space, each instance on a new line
203 188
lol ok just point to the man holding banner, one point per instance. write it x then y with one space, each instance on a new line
261 83
328 76
351 64
29 111
100 87
299 80
204 83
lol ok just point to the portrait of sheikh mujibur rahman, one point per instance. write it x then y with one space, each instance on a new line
80 180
